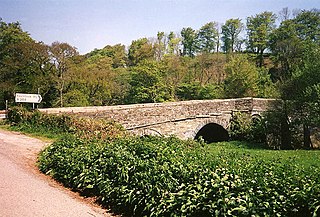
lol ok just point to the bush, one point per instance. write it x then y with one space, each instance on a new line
53 125
35 121
17 114
244 127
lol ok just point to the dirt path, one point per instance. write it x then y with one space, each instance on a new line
24 191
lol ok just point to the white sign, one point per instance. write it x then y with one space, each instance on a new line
30 98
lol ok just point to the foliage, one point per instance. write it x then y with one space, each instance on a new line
286 50
187 91
106 76
278 127
239 128
75 98
250 129
266 88
308 25
173 44
140 50
259 28
17 115
11 36
92 82
61 54
230 35
242 77
188 41
35 122
59 125
155 176
208 38
300 88
147 84
209 69
116 53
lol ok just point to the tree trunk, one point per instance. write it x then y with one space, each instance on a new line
285 135
285 130
61 91
261 58
306 137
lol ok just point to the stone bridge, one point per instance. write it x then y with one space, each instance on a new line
186 119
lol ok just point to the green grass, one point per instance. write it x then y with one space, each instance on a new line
41 134
38 132
305 158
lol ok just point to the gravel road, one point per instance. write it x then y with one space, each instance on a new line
24 191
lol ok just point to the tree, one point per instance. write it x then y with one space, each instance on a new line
160 46
308 25
266 88
140 50
173 44
230 35
189 37
24 63
196 91
28 69
284 14
208 38
259 28
288 42
208 68
296 49
92 83
147 84
175 70
304 90
242 78
61 54
286 50
117 53
10 34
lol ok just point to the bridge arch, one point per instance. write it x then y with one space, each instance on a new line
212 132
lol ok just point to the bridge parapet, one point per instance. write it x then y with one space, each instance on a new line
179 118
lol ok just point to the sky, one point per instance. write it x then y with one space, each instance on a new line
90 24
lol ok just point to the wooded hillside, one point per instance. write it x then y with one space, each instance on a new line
254 57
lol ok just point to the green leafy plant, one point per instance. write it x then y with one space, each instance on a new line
154 176
59 125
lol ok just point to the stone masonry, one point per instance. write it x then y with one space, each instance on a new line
183 119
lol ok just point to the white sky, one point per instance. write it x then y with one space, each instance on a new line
89 24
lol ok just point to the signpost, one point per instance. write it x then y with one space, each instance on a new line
28 98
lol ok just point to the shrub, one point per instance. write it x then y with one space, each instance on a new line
243 127
86 128
239 126
17 114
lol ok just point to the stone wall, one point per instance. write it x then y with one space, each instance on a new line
179 118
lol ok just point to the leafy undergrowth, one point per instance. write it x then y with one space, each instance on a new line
59 126
154 176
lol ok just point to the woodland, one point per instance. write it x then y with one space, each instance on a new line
268 55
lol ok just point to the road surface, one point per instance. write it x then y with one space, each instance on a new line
24 191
